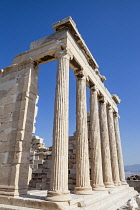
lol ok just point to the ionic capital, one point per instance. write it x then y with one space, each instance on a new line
80 73
66 52
103 78
116 99
116 114
110 109
102 99
97 71
94 88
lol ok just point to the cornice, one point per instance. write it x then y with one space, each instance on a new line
116 98
69 24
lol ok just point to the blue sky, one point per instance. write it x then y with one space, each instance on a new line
111 30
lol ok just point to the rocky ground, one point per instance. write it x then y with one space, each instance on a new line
133 204
134 177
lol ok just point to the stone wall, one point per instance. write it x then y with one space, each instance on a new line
134 181
18 93
40 162
8 113
72 163
135 184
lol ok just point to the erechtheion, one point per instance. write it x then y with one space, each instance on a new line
18 98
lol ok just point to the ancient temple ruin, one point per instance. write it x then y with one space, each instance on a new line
18 98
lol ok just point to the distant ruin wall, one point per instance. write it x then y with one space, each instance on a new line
135 184
40 162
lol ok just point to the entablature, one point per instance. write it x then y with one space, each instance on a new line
43 51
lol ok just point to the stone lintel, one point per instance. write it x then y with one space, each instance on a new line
116 99
60 25
51 37
93 75
70 25
44 52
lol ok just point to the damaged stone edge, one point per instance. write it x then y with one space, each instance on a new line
17 67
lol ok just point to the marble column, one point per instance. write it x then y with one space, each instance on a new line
113 149
96 159
59 167
106 162
119 149
82 152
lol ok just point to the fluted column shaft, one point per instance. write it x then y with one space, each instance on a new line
82 153
106 163
59 167
113 149
119 149
96 159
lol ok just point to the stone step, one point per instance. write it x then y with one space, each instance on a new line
96 196
9 207
112 201
113 192
119 202
115 198
87 199
30 202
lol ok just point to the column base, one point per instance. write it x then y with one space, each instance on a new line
12 190
117 183
109 184
58 196
124 182
83 190
99 189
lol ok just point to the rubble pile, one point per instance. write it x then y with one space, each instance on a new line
40 162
